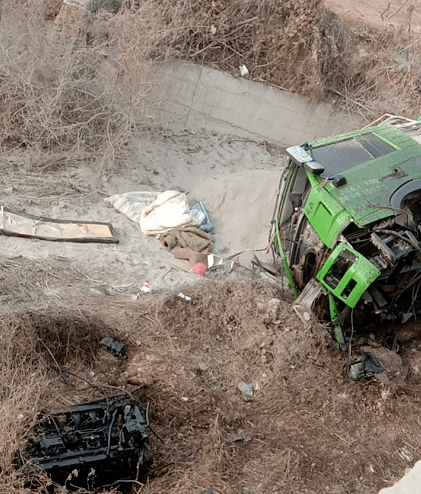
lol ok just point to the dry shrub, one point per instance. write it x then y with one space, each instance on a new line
70 338
305 430
64 104
86 104
35 348
299 46
56 108
52 8
275 40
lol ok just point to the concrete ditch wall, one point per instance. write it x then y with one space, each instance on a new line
191 96
409 484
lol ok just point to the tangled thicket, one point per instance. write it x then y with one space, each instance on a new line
62 104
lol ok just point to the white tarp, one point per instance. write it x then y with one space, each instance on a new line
132 204
155 212
170 210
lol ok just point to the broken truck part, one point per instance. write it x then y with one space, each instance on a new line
90 445
113 346
347 227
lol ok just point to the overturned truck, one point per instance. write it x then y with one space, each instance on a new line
348 228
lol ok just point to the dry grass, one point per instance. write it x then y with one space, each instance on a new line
299 46
305 430
63 105
84 106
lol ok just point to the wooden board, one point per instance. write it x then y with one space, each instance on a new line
182 264
20 224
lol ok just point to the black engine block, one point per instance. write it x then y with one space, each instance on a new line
90 445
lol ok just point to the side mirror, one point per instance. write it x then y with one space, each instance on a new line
301 157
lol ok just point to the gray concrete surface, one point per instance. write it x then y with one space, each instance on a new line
409 484
190 96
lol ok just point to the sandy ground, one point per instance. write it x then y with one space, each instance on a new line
399 14
237 181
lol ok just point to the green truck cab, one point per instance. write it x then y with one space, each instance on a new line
348 225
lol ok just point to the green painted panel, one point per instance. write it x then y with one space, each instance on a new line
325 214
354 280
370 185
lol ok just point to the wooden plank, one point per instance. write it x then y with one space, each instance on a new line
20 224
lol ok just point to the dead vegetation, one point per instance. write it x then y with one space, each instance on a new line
66 104
301 47
306 429
84 105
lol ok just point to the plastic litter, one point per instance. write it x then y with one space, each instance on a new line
199 269
198 210
146 288
365 367
407 455
245 388
109 343
185 297
244 70
240 436
218 266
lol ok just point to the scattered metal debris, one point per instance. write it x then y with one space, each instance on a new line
90 445
407 455
365 367
109 343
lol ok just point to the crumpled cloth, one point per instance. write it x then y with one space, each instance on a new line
198 210
170 210
132 204
188 243
199 269
190 237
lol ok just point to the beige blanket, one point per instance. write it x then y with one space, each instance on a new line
188 243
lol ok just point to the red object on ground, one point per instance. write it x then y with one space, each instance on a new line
199 268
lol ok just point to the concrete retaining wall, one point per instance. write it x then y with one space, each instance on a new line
409 484
192 96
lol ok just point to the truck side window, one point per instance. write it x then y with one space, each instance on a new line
294 195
